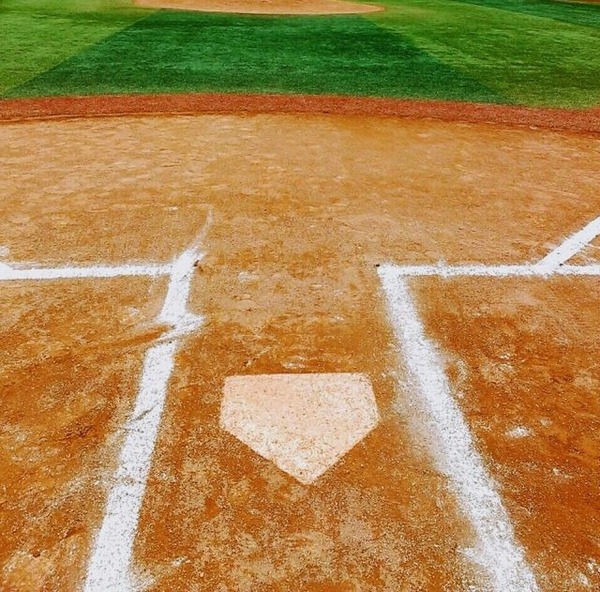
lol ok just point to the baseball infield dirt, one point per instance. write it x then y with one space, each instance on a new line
304 208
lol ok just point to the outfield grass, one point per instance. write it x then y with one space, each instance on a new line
532 52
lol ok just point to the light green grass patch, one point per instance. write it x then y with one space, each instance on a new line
36 35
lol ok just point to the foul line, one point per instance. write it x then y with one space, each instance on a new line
10 273
571 246
532 270
109 568
497 550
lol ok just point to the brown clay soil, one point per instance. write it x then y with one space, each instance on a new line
305 207
71 354
263 6
586 121
521 354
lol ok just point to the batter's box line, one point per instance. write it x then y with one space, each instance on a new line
28 272
496 548
109 567
499 271
11 273
554 263
110 561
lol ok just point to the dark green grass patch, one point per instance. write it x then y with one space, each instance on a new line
177 52
586 15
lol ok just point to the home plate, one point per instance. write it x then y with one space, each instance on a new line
304 423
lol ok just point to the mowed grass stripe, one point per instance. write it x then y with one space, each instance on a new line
585 15
35 35
174 51
531 60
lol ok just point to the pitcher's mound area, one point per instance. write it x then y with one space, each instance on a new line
264 6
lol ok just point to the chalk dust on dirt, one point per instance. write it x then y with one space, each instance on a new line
71 354
305 207
520 352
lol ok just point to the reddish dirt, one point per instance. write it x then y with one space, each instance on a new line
522 354
305 207
71 354
264 6
573 120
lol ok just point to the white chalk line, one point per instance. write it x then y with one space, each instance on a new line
12 273
110 561
497 551
551 264
571 246
109 567
529 270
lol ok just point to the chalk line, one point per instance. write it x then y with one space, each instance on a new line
496 551
531 270
10 273
109 568
571 246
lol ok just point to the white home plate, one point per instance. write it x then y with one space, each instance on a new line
304 423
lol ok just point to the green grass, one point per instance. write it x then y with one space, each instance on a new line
533 52
35 35
587 15
530 57
176 52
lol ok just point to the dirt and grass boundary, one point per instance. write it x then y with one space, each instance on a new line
571 120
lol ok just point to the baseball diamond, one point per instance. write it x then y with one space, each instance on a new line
299 295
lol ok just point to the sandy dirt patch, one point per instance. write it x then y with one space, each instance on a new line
304 209
281 7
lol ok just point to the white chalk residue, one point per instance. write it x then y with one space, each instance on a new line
571 246
109 568
11 273
444 270
519 432
496 551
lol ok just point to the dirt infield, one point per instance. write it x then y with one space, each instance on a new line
67 386
574 120
296 213
280 7
497 349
